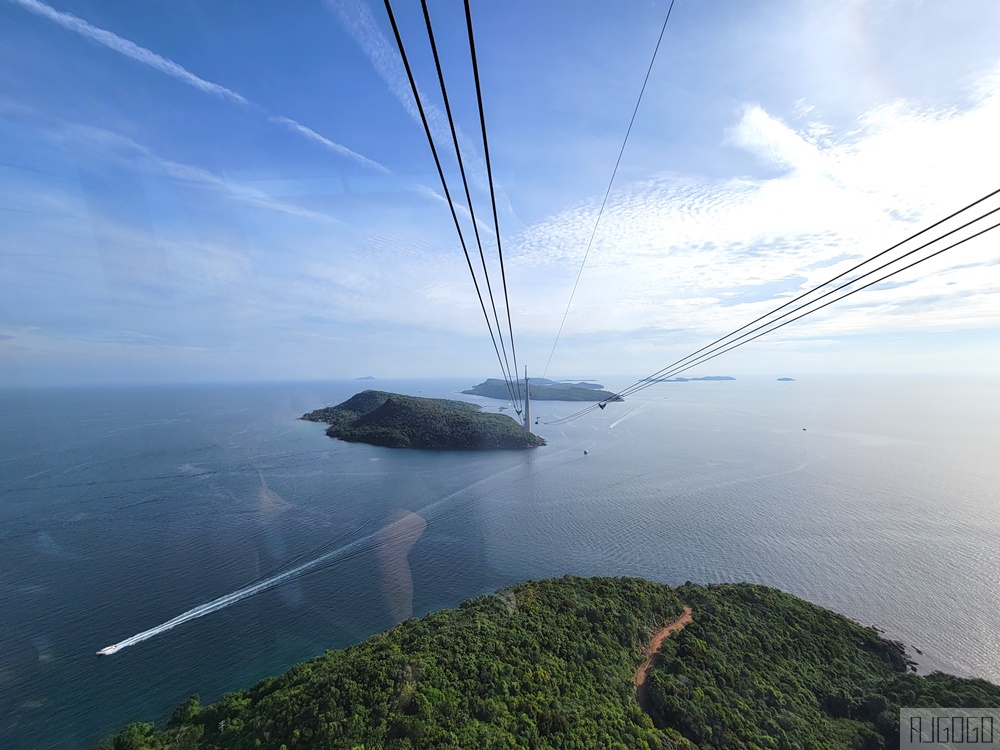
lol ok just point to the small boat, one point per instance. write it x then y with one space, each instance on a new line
586 452
108 651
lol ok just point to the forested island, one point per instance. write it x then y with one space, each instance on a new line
545 390
395 421
566 663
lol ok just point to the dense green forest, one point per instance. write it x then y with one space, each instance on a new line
395 421
545 390
550 664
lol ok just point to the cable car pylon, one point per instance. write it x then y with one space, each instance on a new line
527 402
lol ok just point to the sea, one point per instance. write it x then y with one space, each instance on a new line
222 540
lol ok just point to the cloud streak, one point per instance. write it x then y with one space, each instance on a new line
113 144
360 23
129 49
357 18
168 67
312 135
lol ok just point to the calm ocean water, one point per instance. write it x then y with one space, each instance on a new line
123 508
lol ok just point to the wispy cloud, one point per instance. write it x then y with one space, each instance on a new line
312 135
110 144
675 251
484 228
149 58
129 49
357 18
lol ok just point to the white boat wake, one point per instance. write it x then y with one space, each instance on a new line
379 537
224 601
625 416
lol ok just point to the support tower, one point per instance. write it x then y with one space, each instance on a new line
527 402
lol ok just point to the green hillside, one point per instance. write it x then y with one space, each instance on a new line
395 421
553 664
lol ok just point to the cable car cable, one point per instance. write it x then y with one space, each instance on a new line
493 198
608 191
465 184
444 184
730 345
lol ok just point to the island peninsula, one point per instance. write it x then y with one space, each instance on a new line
396 421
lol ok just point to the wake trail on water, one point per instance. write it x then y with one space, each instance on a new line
317 551
236 596
348 551
625 416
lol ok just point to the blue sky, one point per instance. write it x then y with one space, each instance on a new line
218 191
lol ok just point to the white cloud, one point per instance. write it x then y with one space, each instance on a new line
672 240
129 49
359 21
169 67
673 253
312 135
677 261
775 142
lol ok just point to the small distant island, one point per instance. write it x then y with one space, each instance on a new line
366 377
543 389
786 380
687 380
395 421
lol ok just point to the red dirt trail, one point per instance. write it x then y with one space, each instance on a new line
654 646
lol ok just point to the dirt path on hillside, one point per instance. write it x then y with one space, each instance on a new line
654 646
